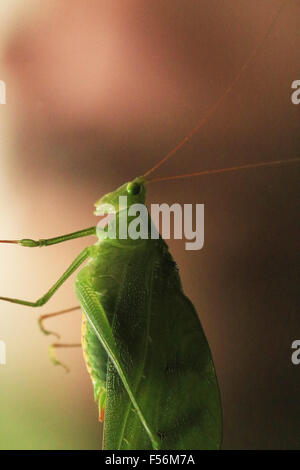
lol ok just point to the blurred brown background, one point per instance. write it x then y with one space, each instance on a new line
99 91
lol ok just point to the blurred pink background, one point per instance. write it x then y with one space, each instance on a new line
97 93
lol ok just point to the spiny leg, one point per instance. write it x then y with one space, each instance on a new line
54 314
53 357
76 263
52 241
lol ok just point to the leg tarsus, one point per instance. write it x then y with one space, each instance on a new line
53 357
44 331
50 315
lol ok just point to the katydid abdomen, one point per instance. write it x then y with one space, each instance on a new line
160 344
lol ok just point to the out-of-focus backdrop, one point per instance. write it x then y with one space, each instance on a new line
97 92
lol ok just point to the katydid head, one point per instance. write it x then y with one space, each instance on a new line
134 192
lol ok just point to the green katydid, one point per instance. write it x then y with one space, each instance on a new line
144 346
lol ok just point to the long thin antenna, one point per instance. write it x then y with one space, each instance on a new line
225 170
225 95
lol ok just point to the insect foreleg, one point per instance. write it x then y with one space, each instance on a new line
76 263
52 241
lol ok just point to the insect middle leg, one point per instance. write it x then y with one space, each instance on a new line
76 263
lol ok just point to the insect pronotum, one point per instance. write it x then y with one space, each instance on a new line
150 363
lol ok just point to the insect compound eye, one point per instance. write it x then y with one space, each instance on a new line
134 188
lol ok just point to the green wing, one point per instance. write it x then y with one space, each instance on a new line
161 386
